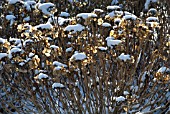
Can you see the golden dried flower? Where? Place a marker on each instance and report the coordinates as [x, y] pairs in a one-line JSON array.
[[100, 21]]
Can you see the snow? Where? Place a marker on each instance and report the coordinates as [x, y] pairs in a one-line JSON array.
[[56, 63], [152, 19], [105, 24], [74, 28], [146, 109], [120, 98], [15, 50], [15, 40], [42, 76], [2, 55], [44, 26], [109, 38], [27, 41], [98, 10], [164, 69], [27, 18], [61, 20], [57, 85], [69, 49], [113, 7], [126, 93], [64, 14], [86, 15], [111, 14], [71, 1], [102, 48], [22, 63], [139, 113], [45, 6], [10, 17], [28, 27], [78, 56], [114, 13], [58, 68], [114, 2], [152, 10], [124, 57], [155, 79], [136, 106], [117, 20], [112, 43], [54, 47], [2, 40], [13, 1], [29, 4], [133, 17], [143, 76], [31, 54], [148, 2]]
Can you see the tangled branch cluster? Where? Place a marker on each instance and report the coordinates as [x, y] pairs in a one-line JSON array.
[[56, 60]]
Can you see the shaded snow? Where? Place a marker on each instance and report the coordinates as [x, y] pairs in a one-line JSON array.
[[143, 76], [133, 17], [164, 69], [22, 63], [54, 47], [74, 28], [15, 40], [42, 76], [117, 20], [61, 20], [105, 24], [152, 19], [109, 38], [146, 109], [57, 68], [10, 17], [64, 14], [45, 7], [126, 93], [31, 54], [114, 13], [120, 98], [2, 55], [57, 85], [86, 15], [98, 10], [44, 26], [56, 63], [136, 106], [78, 56], [2, 40], [112, 43], [29, 5], [102, 48], [27, 41], [148, 2], [113, 7], [69, 49], [13, 1], [124, 57], [15, 50], [27, 18], [114, 2]]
